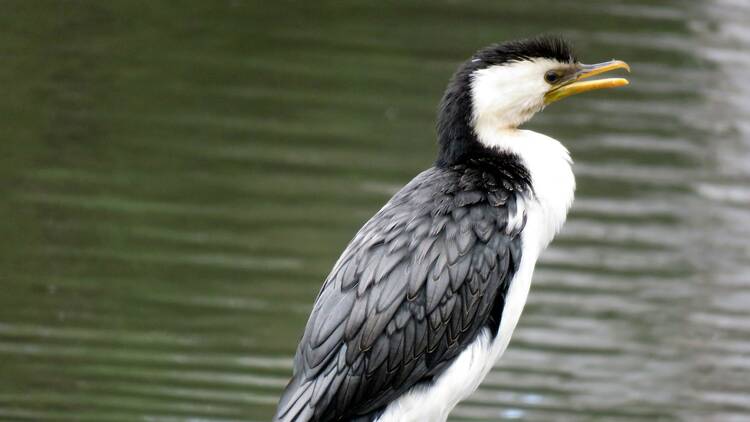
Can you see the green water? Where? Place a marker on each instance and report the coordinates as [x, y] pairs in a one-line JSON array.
[[178, 178]]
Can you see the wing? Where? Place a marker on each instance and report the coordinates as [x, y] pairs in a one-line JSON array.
[[410, 292]]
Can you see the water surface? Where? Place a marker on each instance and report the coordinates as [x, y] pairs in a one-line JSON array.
[[179, 179]]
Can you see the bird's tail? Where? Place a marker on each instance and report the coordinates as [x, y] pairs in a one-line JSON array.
[[294, 402], [294, 405]]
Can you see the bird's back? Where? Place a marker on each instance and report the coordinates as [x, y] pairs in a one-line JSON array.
[[411, 291]]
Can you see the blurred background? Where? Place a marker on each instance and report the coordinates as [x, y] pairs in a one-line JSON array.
[[179, 177]]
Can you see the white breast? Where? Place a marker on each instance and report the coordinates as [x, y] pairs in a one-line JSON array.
[[549, 164], [552, 178]]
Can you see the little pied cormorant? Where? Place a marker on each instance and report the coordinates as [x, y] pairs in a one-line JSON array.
[[426, 296]]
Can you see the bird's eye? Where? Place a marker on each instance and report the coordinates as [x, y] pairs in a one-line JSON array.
[[551, 76]]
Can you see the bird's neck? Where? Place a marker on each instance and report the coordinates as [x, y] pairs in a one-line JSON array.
[[531, 147], [464, 133]]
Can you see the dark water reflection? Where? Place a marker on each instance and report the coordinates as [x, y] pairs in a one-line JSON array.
[[179, 179]]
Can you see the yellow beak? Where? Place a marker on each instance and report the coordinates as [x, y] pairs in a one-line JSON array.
[[573, 85]]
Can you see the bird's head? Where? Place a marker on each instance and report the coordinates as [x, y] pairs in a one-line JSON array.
[[502, 86]]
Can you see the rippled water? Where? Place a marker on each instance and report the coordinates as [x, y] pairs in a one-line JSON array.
[[177, 181]]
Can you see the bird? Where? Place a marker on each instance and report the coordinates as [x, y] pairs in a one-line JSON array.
[[425, 297]]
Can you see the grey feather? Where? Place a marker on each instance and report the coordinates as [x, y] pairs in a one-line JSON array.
[[427, 268]]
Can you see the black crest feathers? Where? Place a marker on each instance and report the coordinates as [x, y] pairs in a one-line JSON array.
[[544, 46]]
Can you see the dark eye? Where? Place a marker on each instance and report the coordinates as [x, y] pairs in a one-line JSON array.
[[551, 76]]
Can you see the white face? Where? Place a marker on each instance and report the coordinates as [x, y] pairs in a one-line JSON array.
[[505, 96]]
